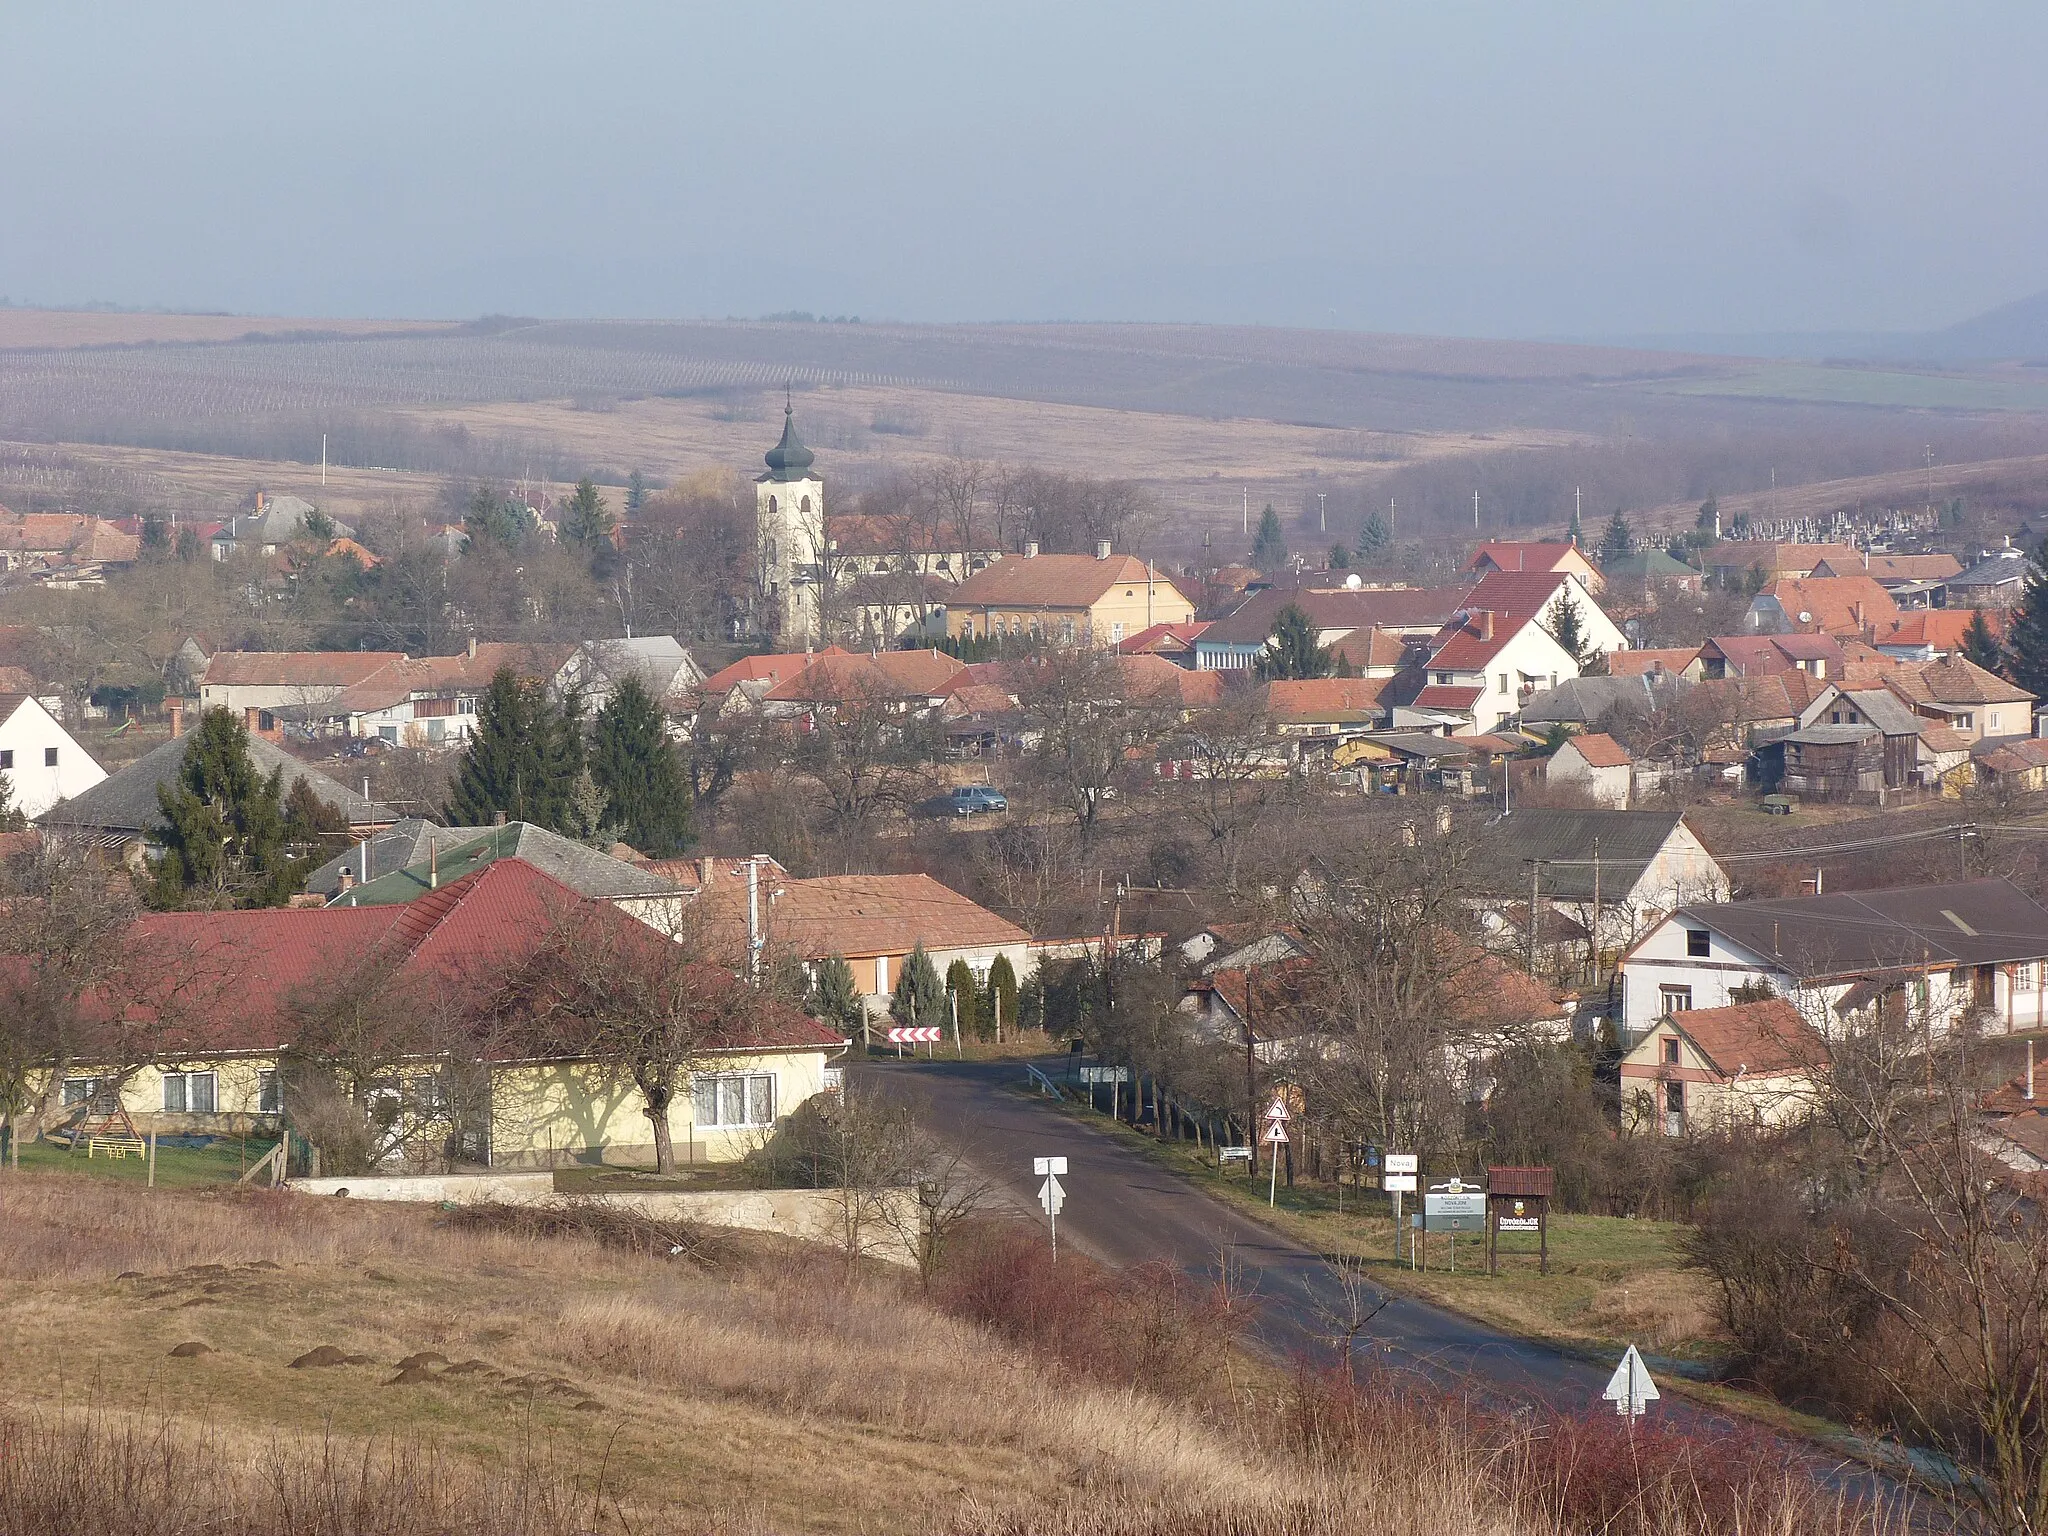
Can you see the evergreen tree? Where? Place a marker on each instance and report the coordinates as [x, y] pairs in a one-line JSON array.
[[919, 1001], [156, 538], [318, 527], [224, 825], [1575, 534], [1340, 558], [1981, 646], [833, 998], [1568, 625], [2026, 630], [1294, 652], [1374, 537], [524, 758], [586, 522], [493, 519], [1618, 541], [1708, 523], [965, 999], [1269, 547], [11, 819], [636, 493], [1000, 1000], [646, 802]]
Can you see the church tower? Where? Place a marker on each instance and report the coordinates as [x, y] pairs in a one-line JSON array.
[[789, 505]]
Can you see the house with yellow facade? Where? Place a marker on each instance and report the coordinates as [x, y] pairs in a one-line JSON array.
[[237, 1023], [1748, 1065], [1099, 599]]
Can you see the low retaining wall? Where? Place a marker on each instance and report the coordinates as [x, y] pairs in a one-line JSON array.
[[814, 1215]]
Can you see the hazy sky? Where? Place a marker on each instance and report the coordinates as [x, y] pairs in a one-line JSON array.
[[1523, 168]]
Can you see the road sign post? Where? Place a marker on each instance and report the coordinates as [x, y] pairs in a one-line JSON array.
[[1276, 1138], [1518, 1200], [1630, 1388], [1451, 1208], [1052, 1195], [1399, 1180]]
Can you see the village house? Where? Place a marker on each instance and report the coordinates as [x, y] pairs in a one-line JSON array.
[[1687, 662], [1733, 562], [1175, 642], [444, 855], [892, 607], [1847, 742], [40, 761], [1238, 639], [1614, 873], [1996, 581], [1893, 572], [1818, 656], [1960, 694], [64, 544], [121, 812], [1940, 950], [1486, 666], [740, 688], [1547, 557], [907, 682], [1934, 633], [1752, 1065], [873, 922], [258, 686], [1633, 574], [1099, 599], [663, 667], [276, 522], [1334, 707], [1847, 607], [1597, 764], [232, 1069]]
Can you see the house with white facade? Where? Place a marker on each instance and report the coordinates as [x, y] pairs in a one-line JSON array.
[[1747, 1066], [1596, 763], [1501, 648], [1940, 951], [41, 761]]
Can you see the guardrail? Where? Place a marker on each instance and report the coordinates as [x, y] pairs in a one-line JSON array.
[[1047, 1087]]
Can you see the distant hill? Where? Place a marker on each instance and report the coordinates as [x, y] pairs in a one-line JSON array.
[[2015, 330]]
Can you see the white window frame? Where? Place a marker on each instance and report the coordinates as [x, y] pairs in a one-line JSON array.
[[80, 1090], [2023, 976], [269, 1091], [747, 1081], [1675, 1000]]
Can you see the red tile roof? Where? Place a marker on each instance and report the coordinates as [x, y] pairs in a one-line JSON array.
[[1951, 682], [1448, 696], [1162, 638], [1372, 647], [856, 916], [1639, 663], [1055, 581], [1835, 605], [1941, 628], [1507, 556], [764, 669], [1767, 1038], [295, 669], [887, 674], [1325, 698], [1601, 750], [1519, 594]]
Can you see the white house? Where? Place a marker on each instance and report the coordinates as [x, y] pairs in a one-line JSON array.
[[39, 758], [1939, 950], [1500, 649], [1596, 763]]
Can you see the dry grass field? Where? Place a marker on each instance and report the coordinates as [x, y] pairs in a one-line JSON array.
[[99, 328], [271, 1363]]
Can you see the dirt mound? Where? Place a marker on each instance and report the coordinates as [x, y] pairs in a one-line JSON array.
[[411, 1376], [189, 1349], [424, 1357], [326, 1354]]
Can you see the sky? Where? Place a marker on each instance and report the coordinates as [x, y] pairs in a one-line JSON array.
[[1508, 169]]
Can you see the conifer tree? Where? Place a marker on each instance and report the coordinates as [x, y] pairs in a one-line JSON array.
[[1576, 534], [919, 1001], [833, 998], [524, 758], [1374, 537], [1269, 547], [1618, 541], [1001, 997], [636, 493], [1981, 646], [1568, 625], [646, 801], [965, 997], [1294, 652], [2026, 630], [586, 521], [223, 829]]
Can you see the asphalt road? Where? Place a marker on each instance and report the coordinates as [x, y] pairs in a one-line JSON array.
[[1122, 1211]]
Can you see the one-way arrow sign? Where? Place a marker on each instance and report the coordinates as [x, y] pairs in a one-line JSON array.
[[1630, 1388], [1052, 1195]]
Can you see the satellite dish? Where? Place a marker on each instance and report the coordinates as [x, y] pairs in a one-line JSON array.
[[1353, 582], [1806, 618]]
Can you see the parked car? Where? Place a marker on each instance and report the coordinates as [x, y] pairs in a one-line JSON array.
[[969, 798]]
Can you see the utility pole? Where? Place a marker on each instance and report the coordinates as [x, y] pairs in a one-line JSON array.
[[1390, 519], [1535, 896], [323, 458], [1596, 911], [1322, 512], [1475, 511], [1578, 503], [1244, 516]]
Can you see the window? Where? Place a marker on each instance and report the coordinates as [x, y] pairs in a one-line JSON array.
[[269, 1092], [734, 1100], [1671, 1050], [1503, 682], [6, 758], [1676, 999], [1674, 1109], [1444, 679], [80, 1090], [2023, 976], [49, 757], [191, 1093], [1698, 943]]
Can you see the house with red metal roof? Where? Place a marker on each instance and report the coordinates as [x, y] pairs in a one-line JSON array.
[[228, 999]]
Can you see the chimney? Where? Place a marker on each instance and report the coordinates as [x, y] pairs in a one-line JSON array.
[[1031, 549], [177, 712], [472, 647], [363, 862], [497, 818], [1102, 549], [1482, 621], [707, 871], [2030, 1071], [433, 866], [348, 881]]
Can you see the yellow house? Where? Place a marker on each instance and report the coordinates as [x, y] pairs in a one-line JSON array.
[[1100, 599], [227, 994], [1709, 1069]]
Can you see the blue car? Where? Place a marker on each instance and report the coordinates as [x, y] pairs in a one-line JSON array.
[[969, 798]]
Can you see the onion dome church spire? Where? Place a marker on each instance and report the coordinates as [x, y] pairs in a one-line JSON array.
[[789, 459]]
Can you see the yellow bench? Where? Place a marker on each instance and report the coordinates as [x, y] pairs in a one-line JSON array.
[[113, 1146]]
